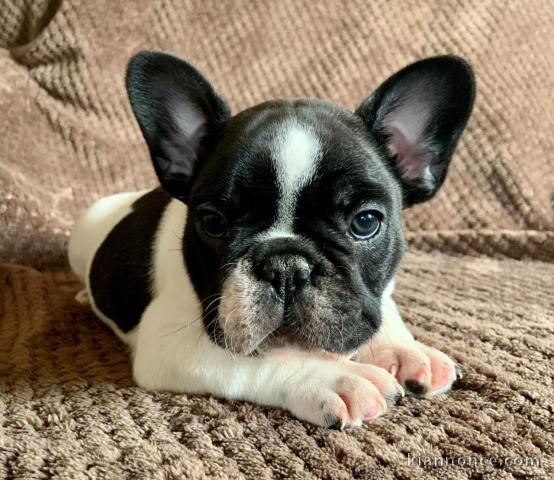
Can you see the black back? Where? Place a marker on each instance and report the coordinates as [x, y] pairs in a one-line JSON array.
[[120, 275]]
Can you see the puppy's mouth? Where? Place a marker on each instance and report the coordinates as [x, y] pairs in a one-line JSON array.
[[289, 332], [312, 323], [242, 329], [290, 336], [293, 296]]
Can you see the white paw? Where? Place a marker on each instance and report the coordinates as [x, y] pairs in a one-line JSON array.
[[339, 395], [421, 370]]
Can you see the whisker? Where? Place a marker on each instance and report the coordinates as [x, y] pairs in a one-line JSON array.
[[210, 324], [230, 264], [225, 337], [217, 299], [209, 296], [189, 323]]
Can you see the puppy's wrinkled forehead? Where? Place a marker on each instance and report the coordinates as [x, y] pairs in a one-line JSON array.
[[295, 152], [271, 155]]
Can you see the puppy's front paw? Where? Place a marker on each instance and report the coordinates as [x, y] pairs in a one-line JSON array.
[[420, 369], [339, 395]]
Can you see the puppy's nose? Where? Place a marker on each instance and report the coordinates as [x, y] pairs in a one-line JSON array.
[[287, 274]]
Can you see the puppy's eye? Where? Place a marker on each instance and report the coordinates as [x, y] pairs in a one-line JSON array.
[[365, 224], [213, 223]]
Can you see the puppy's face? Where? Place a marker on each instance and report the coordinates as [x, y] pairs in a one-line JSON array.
[[294, 227], [300, 220]]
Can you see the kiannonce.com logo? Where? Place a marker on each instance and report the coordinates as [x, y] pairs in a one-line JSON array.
[[470, 461]]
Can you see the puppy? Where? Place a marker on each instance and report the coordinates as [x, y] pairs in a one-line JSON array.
[[262, 268]]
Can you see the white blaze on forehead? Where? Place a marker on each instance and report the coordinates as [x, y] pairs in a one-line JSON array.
[[296, 152]]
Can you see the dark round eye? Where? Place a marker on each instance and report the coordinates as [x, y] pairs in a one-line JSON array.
[[213, 223], [365, 224]]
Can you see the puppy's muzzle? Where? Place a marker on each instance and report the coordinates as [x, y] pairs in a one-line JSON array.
[[287, 274], [288, 266]]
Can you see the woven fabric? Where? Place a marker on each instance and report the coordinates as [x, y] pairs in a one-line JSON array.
[[68, 135], [68, 406]]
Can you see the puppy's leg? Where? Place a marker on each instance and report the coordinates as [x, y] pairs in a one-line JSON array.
[[420, 369], [324, 392]]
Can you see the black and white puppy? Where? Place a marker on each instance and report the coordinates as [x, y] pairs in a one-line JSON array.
[[262, 269]]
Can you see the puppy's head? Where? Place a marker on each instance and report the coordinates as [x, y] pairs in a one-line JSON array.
[[294, 206]]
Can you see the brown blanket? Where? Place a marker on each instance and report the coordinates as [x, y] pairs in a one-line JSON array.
[[68, 407]]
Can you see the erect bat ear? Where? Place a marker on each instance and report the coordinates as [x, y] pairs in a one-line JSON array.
[[418, 116], [179, 114]]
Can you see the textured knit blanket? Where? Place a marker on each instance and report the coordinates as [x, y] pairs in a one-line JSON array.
[[477, 283]]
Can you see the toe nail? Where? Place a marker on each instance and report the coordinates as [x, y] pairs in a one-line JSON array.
[[400, 389], [459, 372], [394, 397], [415, 387], [336, 426], [398, 395], [333, 421]]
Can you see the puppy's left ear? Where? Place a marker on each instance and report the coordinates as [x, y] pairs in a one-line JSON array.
[[417, 116], [179, 114]]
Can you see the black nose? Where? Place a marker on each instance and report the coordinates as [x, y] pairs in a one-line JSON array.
[[288, 274]]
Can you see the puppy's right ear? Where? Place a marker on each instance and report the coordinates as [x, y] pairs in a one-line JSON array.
[[179, 114]]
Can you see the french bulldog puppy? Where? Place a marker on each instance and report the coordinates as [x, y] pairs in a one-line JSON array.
[[262, 268]]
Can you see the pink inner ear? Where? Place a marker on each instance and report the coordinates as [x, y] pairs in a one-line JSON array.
[[413, 162]]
